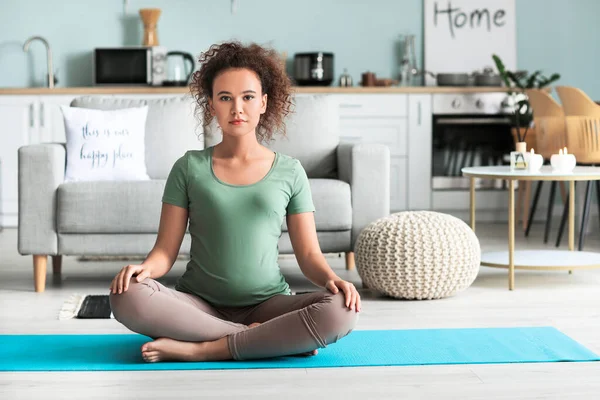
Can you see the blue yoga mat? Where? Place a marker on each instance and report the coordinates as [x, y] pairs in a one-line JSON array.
[[359, 349]]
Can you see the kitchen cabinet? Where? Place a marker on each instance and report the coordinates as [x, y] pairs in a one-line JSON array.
[[373, 105], [51, 125], [19, 128], [25, 120], [419, 150], [390, 132], [382, 119]]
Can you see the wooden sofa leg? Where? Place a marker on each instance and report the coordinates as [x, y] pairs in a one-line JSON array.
[[56, 265], [349, 260], [39, 272]]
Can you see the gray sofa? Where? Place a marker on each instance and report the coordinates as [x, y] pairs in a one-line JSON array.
[[349, 183]]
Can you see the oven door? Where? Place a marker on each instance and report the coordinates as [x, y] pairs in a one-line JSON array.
[[466, 141]]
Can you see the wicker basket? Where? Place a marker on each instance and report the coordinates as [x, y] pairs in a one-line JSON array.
[[418, 255]]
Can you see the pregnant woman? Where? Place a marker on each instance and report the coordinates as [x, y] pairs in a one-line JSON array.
[[233, 302]]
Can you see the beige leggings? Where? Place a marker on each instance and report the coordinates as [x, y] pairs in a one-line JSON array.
[[289, 324]]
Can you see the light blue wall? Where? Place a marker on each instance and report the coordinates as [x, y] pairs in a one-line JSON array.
[[552, 35], [561, 36]]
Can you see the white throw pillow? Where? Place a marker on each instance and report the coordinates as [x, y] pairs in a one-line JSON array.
[[105, 145]]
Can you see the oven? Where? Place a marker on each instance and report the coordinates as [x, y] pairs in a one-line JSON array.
[[469, 129]]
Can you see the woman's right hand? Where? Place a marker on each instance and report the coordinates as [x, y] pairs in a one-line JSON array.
[[120, 283]]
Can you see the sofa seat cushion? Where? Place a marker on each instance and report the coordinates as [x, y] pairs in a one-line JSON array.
[[109, 207], [333, 205], [134, 206]]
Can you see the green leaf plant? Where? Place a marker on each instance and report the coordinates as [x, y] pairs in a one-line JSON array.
[[522, 80]]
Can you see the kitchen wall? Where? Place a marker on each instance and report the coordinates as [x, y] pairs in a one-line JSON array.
[[552, 35]]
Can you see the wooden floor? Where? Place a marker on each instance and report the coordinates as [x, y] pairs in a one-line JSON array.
[[567, 302]]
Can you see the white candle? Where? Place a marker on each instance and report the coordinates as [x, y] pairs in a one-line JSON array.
[[535, 162], [563, 162]]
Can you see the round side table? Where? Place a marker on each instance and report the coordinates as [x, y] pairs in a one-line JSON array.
[[534, 259]]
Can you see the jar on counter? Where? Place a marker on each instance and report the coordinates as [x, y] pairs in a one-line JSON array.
[[345, 79]]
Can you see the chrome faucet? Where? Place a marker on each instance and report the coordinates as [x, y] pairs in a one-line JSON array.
[[48, 56]]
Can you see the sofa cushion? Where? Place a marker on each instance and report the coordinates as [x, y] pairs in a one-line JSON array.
[[134, 207], [171, 127], [105, 145], [312, 135], [332, 204], [109, 207]]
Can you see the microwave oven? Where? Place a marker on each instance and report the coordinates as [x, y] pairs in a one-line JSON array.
[[136, 65]]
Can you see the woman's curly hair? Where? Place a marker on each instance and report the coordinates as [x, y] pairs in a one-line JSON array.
[[266, 63]]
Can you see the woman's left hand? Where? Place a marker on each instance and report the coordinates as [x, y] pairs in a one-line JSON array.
[[350, 292]]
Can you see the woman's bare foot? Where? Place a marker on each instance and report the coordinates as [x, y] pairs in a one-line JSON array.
[[166, 349], [308, 353]]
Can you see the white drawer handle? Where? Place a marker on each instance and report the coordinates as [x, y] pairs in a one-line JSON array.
[[351, 105]]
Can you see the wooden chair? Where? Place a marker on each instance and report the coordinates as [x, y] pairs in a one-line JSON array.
[[549, 123], [583, 140], [576, 103]]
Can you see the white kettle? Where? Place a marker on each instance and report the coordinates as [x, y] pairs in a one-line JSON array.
[[180, 66]]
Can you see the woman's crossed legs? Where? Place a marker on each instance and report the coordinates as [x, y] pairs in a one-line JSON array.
[[188, 328]]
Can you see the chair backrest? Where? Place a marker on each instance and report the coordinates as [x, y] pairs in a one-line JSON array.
[[312, 135], [549, 122], [583, 138], [543, 104], [576, 102], [171, 128], [583, 124]]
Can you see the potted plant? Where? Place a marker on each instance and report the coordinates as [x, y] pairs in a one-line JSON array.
[[520, 103]]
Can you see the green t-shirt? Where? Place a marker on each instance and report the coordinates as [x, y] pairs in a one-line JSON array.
[[235, 228]]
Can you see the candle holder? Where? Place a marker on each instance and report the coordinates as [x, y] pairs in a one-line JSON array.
[[563, 162], [518, 158]]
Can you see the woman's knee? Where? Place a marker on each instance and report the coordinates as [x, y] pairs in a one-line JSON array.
[[129, 303], [335, 320], [345, 317]]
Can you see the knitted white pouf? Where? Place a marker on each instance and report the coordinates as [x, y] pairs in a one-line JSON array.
[[418, 255]]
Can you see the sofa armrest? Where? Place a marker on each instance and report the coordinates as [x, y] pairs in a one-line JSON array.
[[366, 167], [41, 170]]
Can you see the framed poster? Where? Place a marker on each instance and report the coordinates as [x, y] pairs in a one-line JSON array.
[[462, 35]]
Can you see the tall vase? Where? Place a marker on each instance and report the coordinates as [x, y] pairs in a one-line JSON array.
[[518, 159], [149, 18]]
